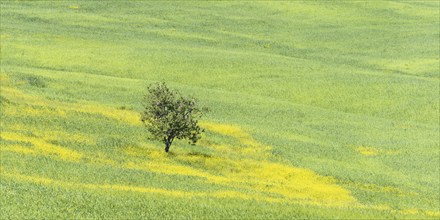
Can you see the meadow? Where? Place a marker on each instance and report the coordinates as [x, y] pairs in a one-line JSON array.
[[318, 109]]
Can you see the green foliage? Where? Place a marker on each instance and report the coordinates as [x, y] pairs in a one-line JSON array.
[[168, 115]]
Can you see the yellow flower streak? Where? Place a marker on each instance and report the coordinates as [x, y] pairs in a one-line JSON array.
[[127, 188], [42, 147], [61, 108], [371, 151]]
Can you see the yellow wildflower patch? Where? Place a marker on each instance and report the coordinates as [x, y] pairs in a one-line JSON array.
[[289, 182], [126, 116], [76, 7], [44, 148], [32, 111], [116, 187], [159, 162], [21, 97], [175, 193], [371, 151], [228, 130], [368, 151], [60, 108], [18, 149], [51, 135], [262, 179], [252, 146], [25, 178], [433, 213], [410, 211]]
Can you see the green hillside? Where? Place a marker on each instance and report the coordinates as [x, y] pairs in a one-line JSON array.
[[318, 109]]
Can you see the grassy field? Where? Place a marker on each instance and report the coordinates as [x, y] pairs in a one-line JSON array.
[[319, 109]]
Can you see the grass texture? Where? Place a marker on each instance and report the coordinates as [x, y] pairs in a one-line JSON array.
[[319, 109]]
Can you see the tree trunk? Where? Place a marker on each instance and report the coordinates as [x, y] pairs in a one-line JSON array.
[[168, 141], [167, 146]]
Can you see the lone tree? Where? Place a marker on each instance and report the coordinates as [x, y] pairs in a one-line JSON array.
[[168, 115]]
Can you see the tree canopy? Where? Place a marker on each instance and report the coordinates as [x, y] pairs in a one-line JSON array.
[[168, 115]]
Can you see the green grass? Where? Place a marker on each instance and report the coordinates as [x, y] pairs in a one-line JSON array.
[[346, 92]]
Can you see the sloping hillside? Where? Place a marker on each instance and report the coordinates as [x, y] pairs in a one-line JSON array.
[[318, 109]]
